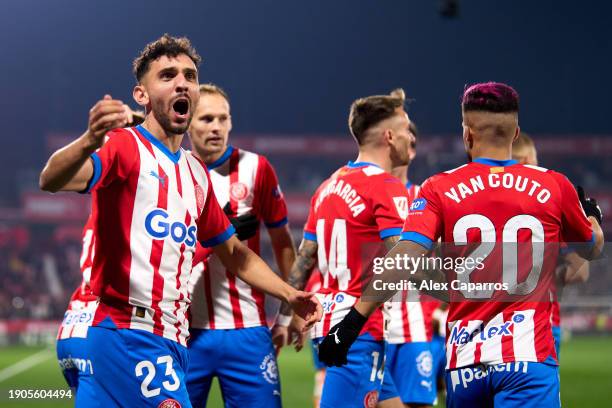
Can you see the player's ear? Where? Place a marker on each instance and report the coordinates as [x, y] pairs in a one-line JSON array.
[[229, 119], [517, 132], [468, 139], [140, 95], [388, 136]]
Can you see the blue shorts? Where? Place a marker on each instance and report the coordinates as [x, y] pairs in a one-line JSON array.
[[135, 368], [77, 368], [412, 367], [387, 388], [556, 332], [244, 361], [438, 350], [318, 365], [358, 383], [509, 385]]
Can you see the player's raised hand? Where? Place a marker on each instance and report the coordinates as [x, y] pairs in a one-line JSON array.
[[334, 348], [306, 306], [105, 116], [589, 205]]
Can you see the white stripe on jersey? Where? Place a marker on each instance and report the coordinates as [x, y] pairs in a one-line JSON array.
[[523, 338], [168, 269], [465, 352], [394, 314], [247, 173], [492, 348], [141, 273]]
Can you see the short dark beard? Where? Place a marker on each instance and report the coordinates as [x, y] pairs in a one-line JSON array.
[[166, 124]]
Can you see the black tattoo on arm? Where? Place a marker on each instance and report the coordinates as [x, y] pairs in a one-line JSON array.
[[302, 268]]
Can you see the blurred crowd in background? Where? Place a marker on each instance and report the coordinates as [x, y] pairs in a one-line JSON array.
[[40, 234]]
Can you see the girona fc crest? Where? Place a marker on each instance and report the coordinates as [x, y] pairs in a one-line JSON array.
[[371, 399], [169, 403], [199, 196], [239, 191]]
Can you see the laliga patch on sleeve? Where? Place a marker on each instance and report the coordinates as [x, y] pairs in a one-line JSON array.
[[418, 204], [401, 205]]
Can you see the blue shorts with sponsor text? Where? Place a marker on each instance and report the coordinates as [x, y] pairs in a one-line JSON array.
[[76, 366], [507, 385]]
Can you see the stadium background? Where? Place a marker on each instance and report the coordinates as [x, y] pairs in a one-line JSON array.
[[291, 71]]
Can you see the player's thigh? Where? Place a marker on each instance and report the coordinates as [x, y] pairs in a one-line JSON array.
[[205, 349], [358, 383], [413, 373], [318, 365], [438, 351], [248, 373], [468, 387], [85, 395], [526, 385], [137, 368], [389, 396], [73, 358]]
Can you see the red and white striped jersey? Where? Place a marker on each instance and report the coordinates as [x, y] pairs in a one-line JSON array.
[[153, 206], [350, 215], [82, 306], [247, 183], [474, 207], [407, 318]]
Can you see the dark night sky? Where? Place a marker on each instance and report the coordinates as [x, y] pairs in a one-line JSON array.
[[294, 67]]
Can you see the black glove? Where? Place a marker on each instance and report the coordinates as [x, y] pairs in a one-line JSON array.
[[590, 206], [335, 346], [246, 225]]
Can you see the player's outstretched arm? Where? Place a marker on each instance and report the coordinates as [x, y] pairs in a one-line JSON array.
[[69, 168], [249, 267], [595, 217], [576, 269], [334, 348]]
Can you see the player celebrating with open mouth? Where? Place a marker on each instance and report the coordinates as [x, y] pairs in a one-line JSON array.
[[153, 202]]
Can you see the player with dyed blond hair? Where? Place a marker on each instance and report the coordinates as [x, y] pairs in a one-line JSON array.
[[230, 335], [353, 215]]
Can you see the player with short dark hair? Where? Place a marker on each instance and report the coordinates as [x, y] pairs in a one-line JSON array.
[[352, 213], [230, 338], [500, 350], [152, 202]]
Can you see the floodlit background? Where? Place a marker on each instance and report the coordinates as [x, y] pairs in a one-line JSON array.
[[291, 70]]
